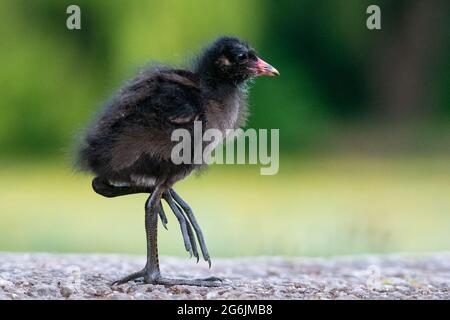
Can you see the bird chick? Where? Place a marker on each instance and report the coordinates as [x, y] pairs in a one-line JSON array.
[[128, 146]]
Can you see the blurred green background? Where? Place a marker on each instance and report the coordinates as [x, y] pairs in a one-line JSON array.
[[364, 119]]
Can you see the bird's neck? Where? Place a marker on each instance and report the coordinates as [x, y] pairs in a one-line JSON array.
[[219, 86]]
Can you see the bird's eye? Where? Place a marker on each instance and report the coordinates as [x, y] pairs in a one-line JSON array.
[[242, 57]]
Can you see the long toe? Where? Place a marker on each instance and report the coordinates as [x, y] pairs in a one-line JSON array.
[[181, 221], [191, 236], [130, 277], [188, 282], [213, 279], [193, 221], [162, 215]]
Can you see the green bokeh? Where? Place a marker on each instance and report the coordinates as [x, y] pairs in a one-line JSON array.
[[52, 79], [353, 177]]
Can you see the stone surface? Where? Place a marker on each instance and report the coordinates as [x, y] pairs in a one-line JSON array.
[[88, 276]]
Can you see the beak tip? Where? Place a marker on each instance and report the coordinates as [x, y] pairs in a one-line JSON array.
[[266, 69], [273, 72]]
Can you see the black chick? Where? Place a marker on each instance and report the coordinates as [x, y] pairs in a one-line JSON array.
[[129, 145]]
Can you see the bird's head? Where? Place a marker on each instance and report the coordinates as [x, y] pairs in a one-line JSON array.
[[230, 60]]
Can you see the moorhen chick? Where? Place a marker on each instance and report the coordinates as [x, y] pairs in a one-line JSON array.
[[128, 147]]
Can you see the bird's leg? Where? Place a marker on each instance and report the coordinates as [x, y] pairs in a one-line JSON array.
[[151, 272], [152, 207], [103, 188]]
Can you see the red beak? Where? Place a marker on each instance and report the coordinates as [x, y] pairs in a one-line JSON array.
[[265, 69]]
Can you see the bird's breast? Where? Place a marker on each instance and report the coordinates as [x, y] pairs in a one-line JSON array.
[[223, 115]]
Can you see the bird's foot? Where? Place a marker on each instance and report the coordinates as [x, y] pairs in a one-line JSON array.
[[205, 282], [188, 224]]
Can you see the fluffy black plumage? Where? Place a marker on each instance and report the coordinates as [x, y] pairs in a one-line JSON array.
[[128, 147], [130, 141]]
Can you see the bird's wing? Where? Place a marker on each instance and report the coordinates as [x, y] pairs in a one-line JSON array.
[[152, 107], [170, 95], [180, 100]]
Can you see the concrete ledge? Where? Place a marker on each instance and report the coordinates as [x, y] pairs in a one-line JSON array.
[[87, 276]]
